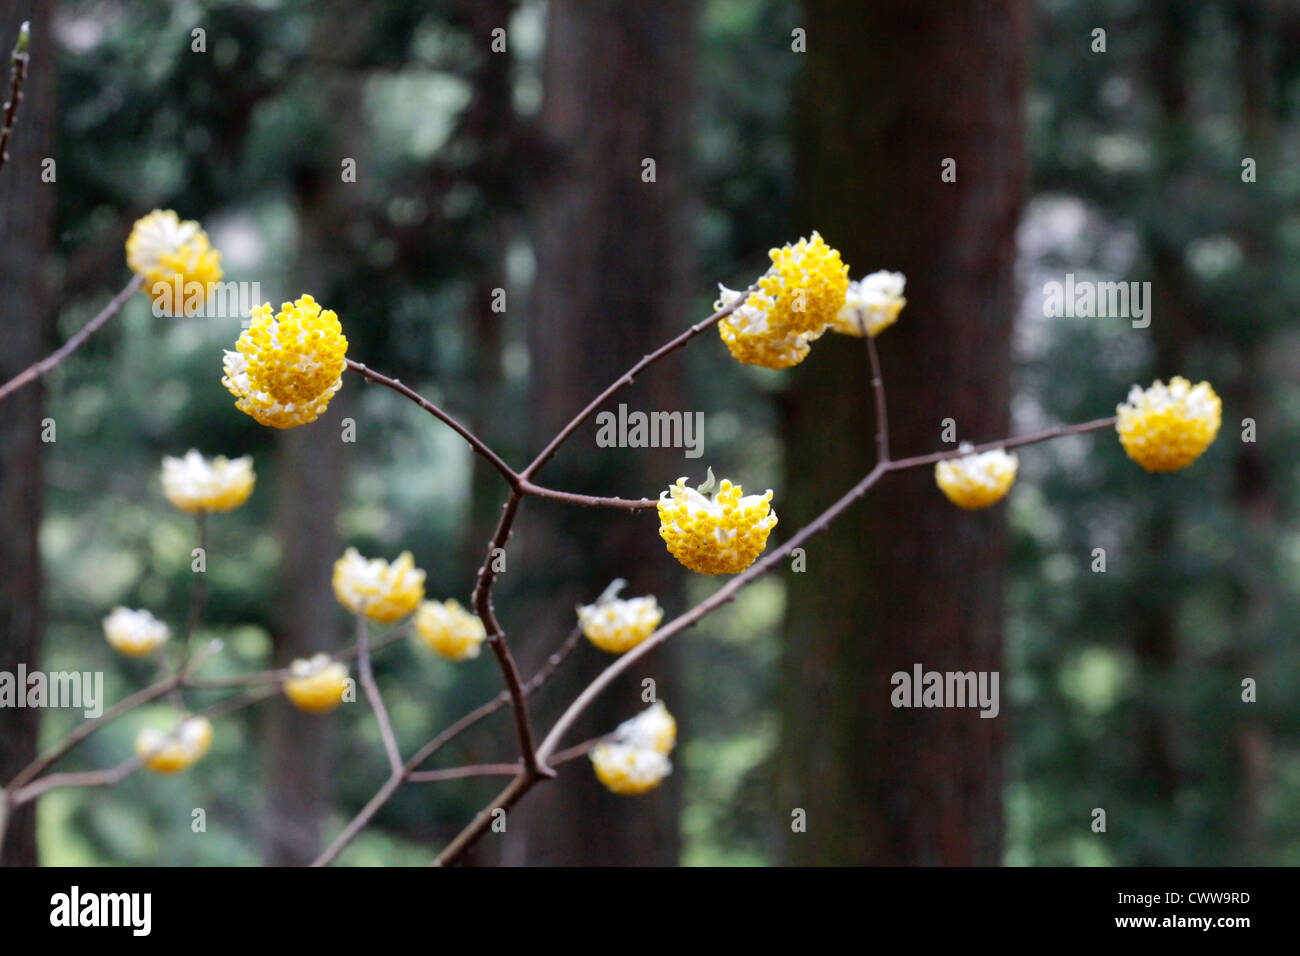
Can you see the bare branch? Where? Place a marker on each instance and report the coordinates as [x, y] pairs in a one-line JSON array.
[[376, 701], [444, 737], [878, 388], [33, 372], [475, 442], [496, 639], [587, 501], [125, 705], [459, 773], [18, 73], [627, 378]]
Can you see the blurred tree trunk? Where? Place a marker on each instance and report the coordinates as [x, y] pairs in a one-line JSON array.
[[310, 469], [26, 228], [890, 90], [612, 261], [1255, 486], [1154, 631]]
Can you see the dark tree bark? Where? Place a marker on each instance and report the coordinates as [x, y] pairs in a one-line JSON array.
[[491, 127], [26, 227], [611, 268], [890, 90]]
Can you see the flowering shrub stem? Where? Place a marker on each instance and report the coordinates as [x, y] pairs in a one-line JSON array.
[[547, 750], [18, 73], [459, 773], [497, 640], [454, 730], [878, 391], [475, 442], [376, 700], [628, 377], [535, 761], [78, 339]]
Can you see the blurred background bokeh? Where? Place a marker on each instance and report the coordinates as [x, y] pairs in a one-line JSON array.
[[521, 169]]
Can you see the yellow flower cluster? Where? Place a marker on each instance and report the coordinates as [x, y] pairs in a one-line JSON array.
[[287, 367], [317, 685], [376, 589], [617, 626], [177, 750], [1164, 428], [450, 630], [635, 758], [876, 300], [195, 484], [161, 247], [976, 481], [134, 633], [798, 297], [715, 534]]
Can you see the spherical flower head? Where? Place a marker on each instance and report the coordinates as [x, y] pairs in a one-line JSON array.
[[450, 630], [134, 633], [751, 337], [715, 534], [287, 367], [652, 729], [976, 481], [196, 485], [1164, 428], [162, 247], [376, 589], [617, 626], [875, 299], [317, 685], [796, 299], [628, 770], [176, 750]]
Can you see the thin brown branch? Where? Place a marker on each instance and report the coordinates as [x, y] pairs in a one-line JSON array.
[[198, 598], [125, 705], [199, 593], [628, 378], [459, 773], [587, 501], [504, 800], [376, 701], [475, 442], [88, 778], [577, 750], [1032, 439], [444, 737], [547, 749], [723, 595], [18, 73], [728, 591], [33, 372], [114, 775], [878, 389], [482, 601]]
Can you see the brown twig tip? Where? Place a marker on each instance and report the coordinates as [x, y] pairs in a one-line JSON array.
[[17, 75]]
